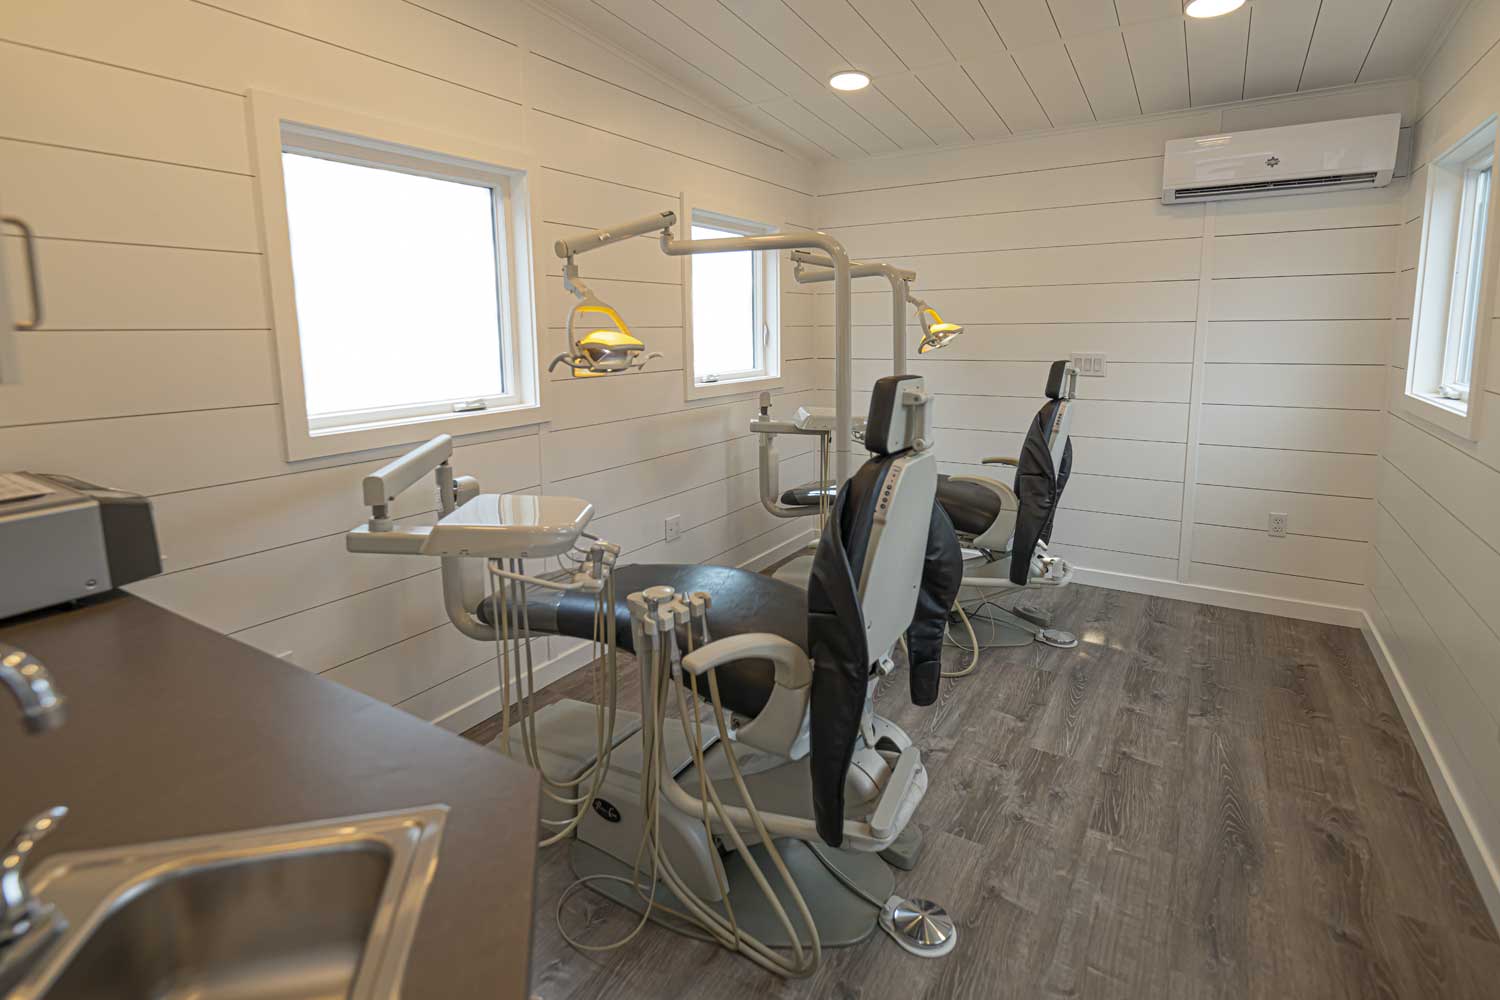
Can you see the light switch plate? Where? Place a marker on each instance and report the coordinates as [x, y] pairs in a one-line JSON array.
[[1091, 365], [674, 527]]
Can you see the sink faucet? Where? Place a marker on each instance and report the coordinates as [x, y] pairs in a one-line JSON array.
[[42, 705], [28, 925], [19, 909]]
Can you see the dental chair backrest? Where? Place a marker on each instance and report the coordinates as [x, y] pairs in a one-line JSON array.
[[1042, 470], [900, 481]]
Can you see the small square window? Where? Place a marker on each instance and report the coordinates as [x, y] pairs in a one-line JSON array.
[[401, 280], [1450, 315], [736, 328]]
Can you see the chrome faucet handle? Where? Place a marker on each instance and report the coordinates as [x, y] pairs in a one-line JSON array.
[[20, 909]]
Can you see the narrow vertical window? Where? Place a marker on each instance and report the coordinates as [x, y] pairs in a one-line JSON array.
[[735, 319]]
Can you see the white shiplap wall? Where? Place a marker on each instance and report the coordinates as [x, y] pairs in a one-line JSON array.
[[125, 147], [1246, 340], [1435, 573]]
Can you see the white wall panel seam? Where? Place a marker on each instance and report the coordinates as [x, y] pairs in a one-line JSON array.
[[1195, 394], [353, 51]]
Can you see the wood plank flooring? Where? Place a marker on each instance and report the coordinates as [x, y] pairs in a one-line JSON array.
[[1195, 802]]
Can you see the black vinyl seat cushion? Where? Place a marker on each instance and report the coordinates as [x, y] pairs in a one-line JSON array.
[[742, 602], [806, 496], [971, 507]]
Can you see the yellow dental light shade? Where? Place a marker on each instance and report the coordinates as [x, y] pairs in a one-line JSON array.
[[601, 351], [936, 334]]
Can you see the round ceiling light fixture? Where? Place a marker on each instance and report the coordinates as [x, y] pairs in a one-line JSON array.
[[1210, 8], [853, 79]]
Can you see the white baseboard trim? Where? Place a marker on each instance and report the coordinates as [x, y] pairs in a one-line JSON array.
[[488, 704], [1482, 862], [1221, 597]]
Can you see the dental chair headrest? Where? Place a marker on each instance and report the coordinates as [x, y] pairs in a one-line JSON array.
[[892, 425], [1055, 379]]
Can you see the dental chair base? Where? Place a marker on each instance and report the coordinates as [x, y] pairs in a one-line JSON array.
[[987, 582], [843, 888], [844, 915]]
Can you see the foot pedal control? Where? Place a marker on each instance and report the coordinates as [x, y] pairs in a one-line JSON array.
[[920, 926], [1057, 637], [1040, 617]]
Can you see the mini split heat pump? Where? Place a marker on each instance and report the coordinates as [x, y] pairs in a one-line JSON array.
[[1298, 159]]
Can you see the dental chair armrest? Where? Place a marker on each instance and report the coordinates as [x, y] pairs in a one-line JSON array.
[[1000, 461], [793, 668], [781, 726]]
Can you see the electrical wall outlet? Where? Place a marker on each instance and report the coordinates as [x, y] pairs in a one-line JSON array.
[[1092, 365], [674, 527], [1276, 525]]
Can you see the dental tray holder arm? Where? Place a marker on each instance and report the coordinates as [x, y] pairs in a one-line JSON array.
[[770, 459], [470, 525], [900, 278]]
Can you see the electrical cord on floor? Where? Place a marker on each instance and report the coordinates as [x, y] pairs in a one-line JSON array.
[[972, 648], [978, 613]]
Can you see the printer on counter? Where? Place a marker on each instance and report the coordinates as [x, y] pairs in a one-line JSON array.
[[62, 539]]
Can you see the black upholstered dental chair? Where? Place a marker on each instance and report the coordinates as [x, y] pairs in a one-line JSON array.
[[888, 567], [1005, 530]]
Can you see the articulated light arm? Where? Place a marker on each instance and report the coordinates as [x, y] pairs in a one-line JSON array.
[[900, 280], [603, 351], [843, 393], [936, 334]]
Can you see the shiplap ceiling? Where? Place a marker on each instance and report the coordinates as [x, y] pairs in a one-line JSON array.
[[951, 72]]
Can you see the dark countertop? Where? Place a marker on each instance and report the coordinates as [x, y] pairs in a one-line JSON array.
[[175, 730]]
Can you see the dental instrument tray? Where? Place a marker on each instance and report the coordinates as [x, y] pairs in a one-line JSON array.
[[491, 525]]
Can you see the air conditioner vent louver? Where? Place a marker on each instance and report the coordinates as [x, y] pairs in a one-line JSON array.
[[1353, 154], [1332, 181]]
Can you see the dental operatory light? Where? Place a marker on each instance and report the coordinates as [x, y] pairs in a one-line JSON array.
[[603, 350], [936, 333], [1210, 8], [851, 79]]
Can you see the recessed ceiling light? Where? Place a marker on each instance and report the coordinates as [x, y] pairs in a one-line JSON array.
[[853, 79], [1210, 8]]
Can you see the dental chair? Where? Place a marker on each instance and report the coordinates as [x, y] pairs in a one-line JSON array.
[[777, 759], [1005, 529]]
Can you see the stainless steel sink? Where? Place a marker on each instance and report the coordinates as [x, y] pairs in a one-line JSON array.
[[312, 911]]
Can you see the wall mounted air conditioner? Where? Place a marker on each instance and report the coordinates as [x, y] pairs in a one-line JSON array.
[[1296, 159]]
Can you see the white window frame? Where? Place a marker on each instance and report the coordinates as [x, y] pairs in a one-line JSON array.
[[767, 312], [1455, 281], [280, 123]]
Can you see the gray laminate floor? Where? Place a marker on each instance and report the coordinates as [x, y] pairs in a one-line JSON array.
[[1193, 803]]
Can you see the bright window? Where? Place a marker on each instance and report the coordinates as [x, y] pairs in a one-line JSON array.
[[392, 326], [735, 320], [1450, 316], [402, 286], [1468, 277]]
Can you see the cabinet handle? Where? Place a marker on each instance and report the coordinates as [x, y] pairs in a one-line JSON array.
[[32, 274]]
